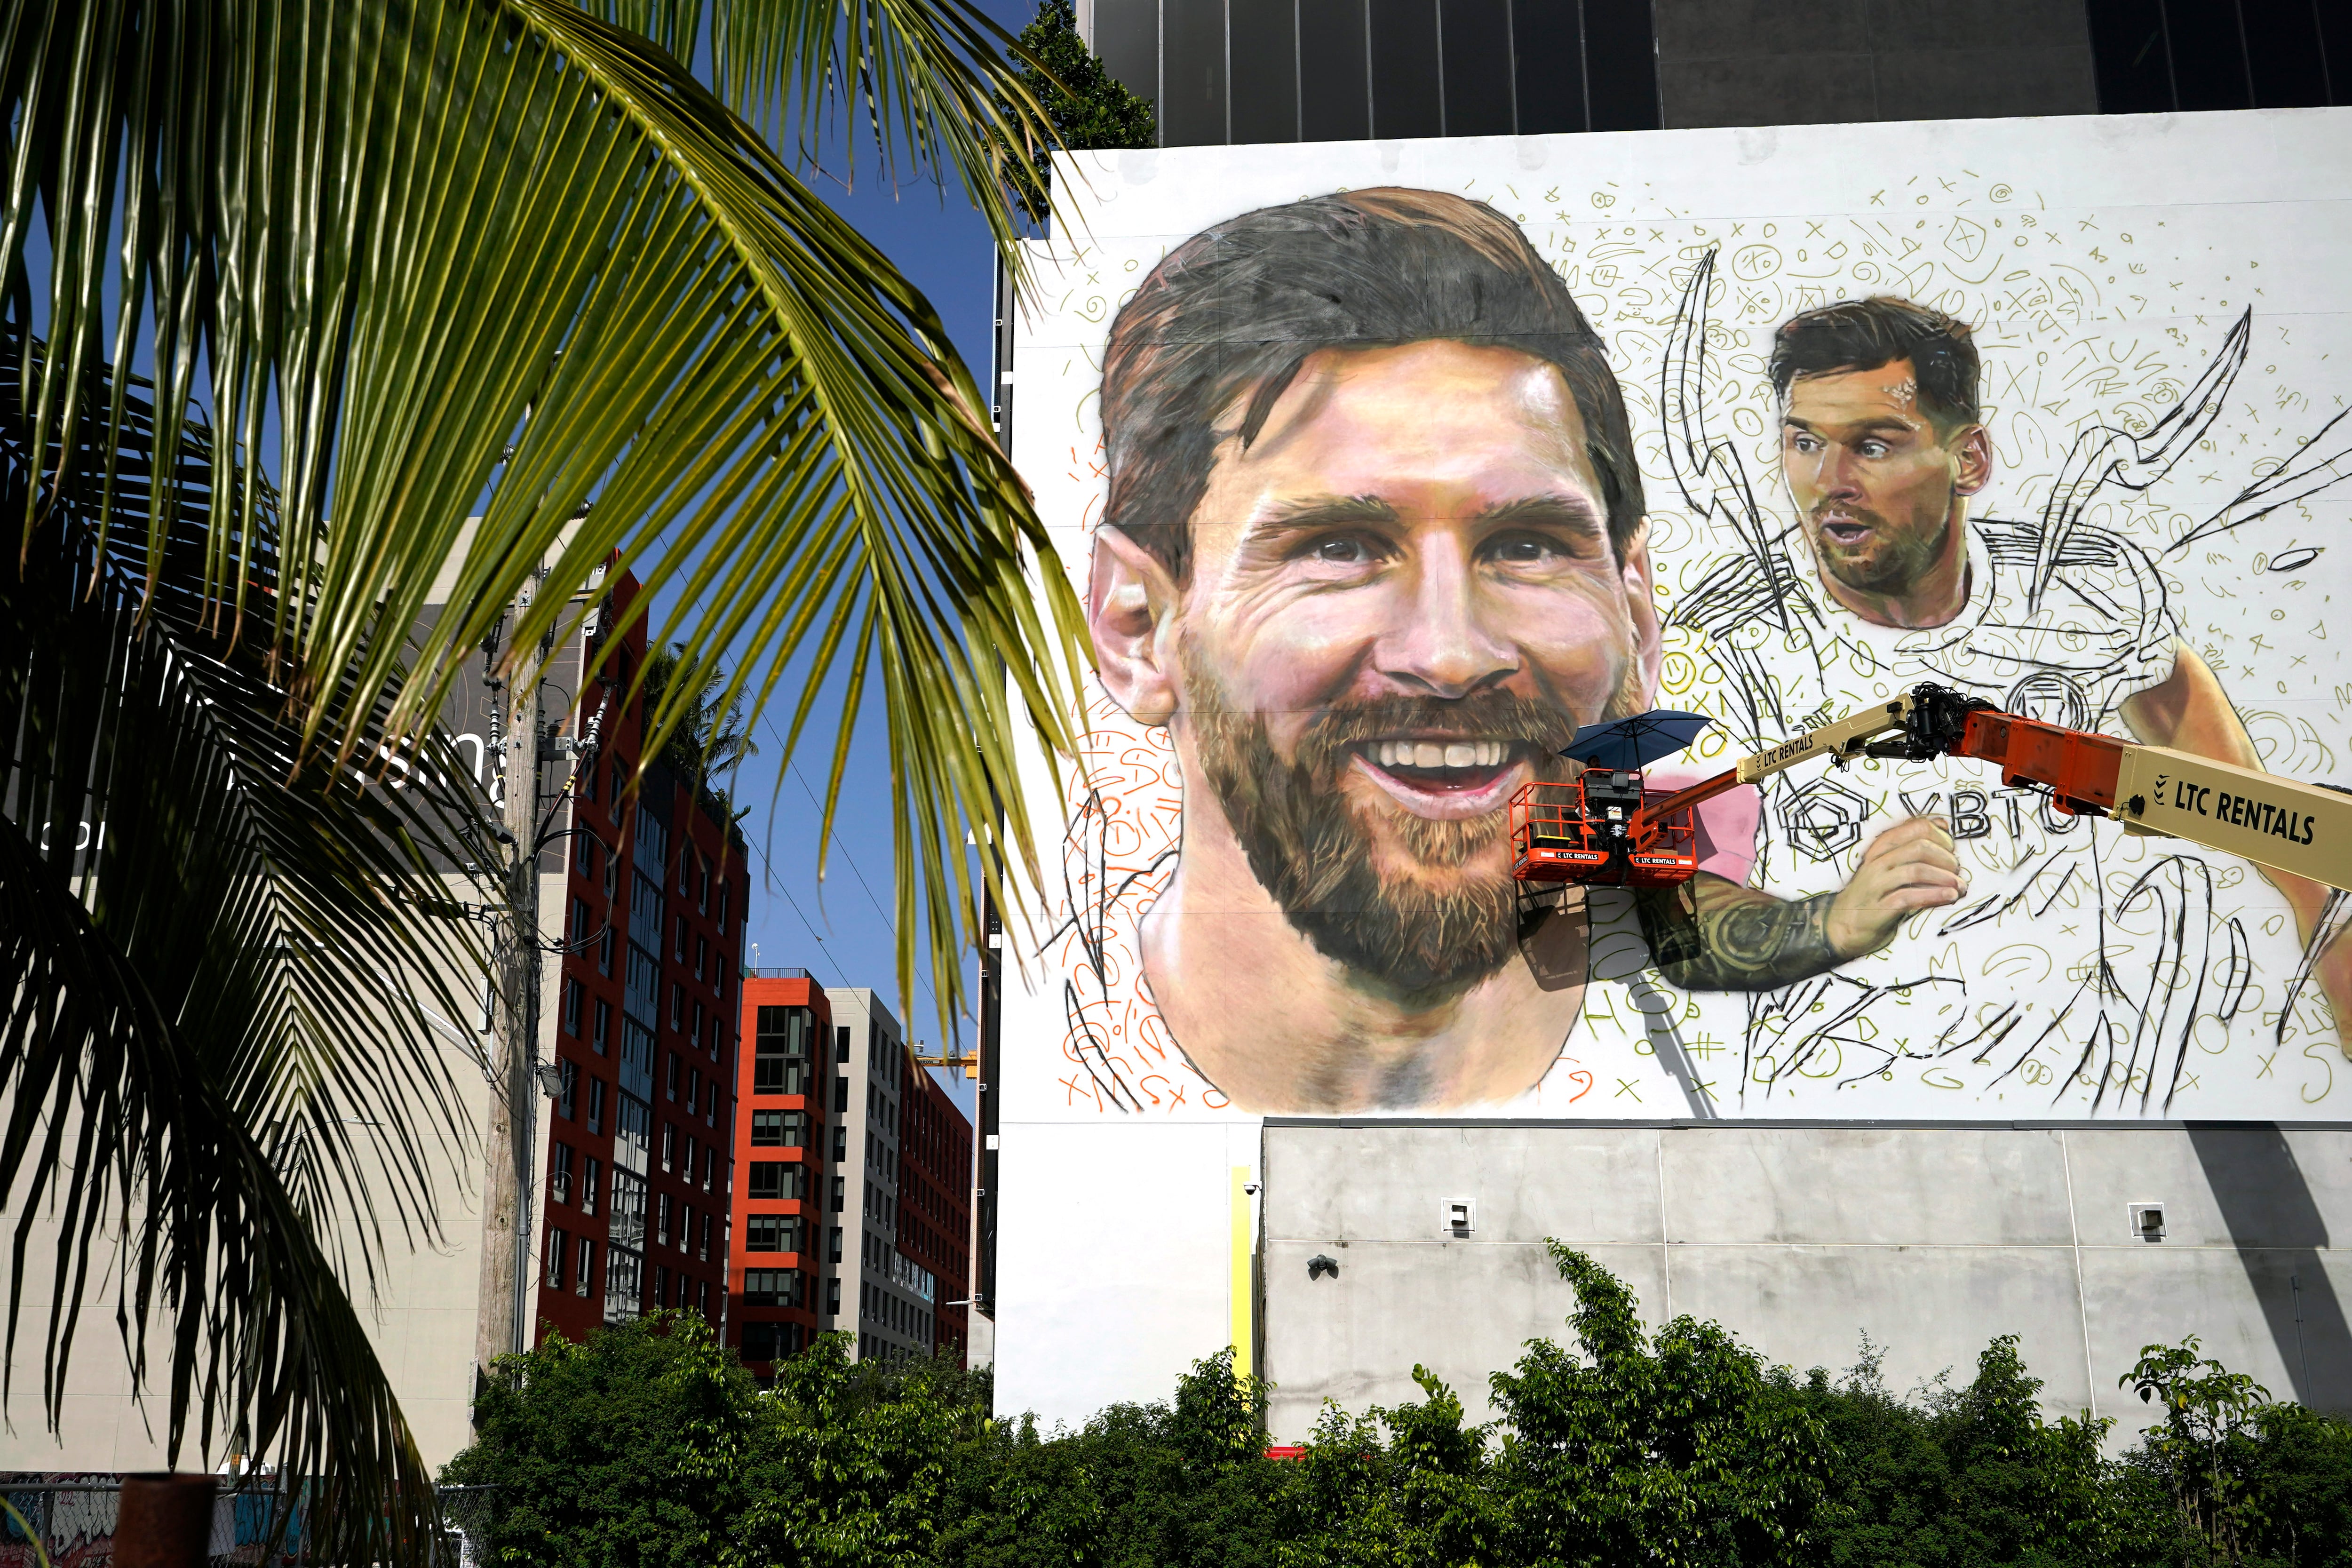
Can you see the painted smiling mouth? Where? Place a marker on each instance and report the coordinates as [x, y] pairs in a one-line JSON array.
[[1448, 765]]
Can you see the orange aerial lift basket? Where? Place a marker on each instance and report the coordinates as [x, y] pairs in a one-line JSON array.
[[1603, 827], [1594, 829]]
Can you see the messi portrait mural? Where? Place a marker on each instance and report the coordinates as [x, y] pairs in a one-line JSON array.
[[1377, 515], [1376, 546]]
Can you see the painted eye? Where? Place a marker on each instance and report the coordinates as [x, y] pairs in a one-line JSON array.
[[1343, 552], [1524, 551]]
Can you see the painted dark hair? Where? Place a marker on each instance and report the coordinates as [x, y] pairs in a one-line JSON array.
[[1862, 334], [1241, 306]]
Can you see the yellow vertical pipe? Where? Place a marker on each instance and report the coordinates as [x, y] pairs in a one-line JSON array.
[[1244, 1293]]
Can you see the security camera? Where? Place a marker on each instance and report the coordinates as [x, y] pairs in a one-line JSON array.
[[1250, 1187]]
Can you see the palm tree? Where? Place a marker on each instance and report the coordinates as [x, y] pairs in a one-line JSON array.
[[711, 739], [289, 291]]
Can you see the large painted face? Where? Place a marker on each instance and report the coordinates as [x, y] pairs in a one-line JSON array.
[[1404, 600], [1872, 477]]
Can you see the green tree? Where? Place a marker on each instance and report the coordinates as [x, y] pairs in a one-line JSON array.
[[1090, 108], [639, 1447], [1186, 1485], [857, 1467], [2201, 1448], [1688, 1452], [434, 260], [1406, 1487]]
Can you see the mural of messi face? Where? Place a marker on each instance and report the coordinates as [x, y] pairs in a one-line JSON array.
[[1374, 548]]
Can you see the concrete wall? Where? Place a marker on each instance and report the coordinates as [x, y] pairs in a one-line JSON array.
[[1809, 62], [1931, 1239]]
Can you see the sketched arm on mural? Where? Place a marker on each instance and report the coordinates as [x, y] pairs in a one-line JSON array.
[[2189, 712], [1730, 937]]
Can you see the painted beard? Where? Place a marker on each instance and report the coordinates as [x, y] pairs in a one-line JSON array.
[[1314, 851]]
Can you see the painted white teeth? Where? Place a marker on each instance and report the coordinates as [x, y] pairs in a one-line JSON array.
[[1440, 755]]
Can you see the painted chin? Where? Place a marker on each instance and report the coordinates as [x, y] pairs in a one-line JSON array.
[[1446, 789]]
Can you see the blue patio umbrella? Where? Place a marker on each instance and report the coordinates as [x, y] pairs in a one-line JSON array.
[[1637, 742]]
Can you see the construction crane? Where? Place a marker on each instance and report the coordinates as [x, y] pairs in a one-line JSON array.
[[1604, 826], [953, 1061]]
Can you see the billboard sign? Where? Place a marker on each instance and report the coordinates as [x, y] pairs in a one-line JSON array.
[[1384, 466]]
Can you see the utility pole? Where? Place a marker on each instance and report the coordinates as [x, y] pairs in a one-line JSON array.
[[504, 1317]]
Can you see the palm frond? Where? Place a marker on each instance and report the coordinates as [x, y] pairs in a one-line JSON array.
[[393, 239], [932, 90], [218, 978]]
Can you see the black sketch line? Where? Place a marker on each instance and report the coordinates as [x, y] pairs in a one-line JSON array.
[[2313, 474], [2106, 455], [1088, 919]]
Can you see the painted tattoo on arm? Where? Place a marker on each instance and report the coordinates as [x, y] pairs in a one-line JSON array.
[[1712, 934]]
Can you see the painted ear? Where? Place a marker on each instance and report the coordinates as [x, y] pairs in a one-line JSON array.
[[1975, 453], [1131, 612], [1641, 607]]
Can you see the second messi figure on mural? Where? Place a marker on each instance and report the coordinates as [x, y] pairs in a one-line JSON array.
[[1376, 543]]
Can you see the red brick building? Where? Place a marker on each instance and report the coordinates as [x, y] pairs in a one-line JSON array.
[[784, 1198], [640, 1140], [935, 1201]]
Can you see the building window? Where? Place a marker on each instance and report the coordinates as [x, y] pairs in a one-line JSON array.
[[764, 1341], [702, 1247], [661, 1222], [583, 854], [604, 1027], [604, 952], [595, 1105], [583, 1282], [559, 1246], [668, 1144], [781, 1128], [661, 1285], [772, 1288], [678, 928], [676, 1005], [685, 1228], [570, 1010], [567, 1089], [840, 1193], [580, 926], [558, 1172], [709, 1165], [780, 1062], [775, 1179], [696, 1033], [591, 1171], [724, 893], [772, 1233], [669, 1077], [701, 893], [833, 1296], [701, 957]]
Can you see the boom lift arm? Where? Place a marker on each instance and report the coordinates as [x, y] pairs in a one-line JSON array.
[[1566, 832]]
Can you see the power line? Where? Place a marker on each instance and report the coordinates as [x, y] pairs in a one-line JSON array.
[[768, 874], [798, 777]]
